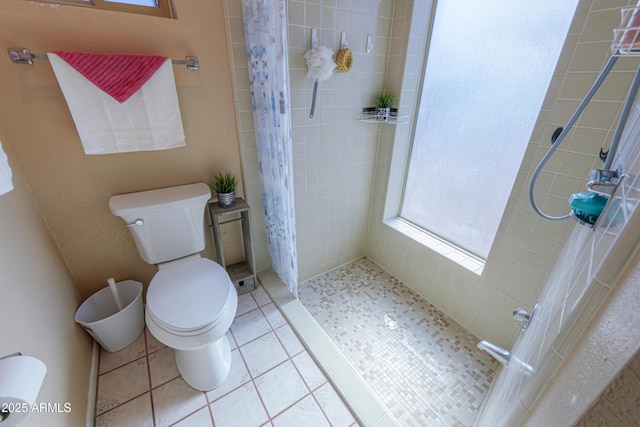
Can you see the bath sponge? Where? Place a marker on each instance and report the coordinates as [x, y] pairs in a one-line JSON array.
[[319, 63], [344, 60]]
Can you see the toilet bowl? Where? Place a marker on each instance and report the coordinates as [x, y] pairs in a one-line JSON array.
[[191, 301], [190, 306]]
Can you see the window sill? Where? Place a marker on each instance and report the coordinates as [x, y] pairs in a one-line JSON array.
[[453, 253]]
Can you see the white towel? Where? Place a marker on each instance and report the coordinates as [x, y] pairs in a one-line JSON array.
[[6, 183], [149, 120]]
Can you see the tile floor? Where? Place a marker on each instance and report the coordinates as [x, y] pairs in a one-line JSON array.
[[427, 370], [273, 381]]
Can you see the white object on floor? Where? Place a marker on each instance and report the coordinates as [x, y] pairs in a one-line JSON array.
[[113, 328], [6, 182]]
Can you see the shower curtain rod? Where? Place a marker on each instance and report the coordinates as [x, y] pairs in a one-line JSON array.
[[24, 56]]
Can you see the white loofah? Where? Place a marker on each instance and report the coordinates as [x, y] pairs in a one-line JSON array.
[[320, 63]]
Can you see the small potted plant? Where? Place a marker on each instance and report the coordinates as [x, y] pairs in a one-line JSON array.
[[224, 184], [384, 102]]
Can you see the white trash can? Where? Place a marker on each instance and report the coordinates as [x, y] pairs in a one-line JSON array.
[[113, 329]]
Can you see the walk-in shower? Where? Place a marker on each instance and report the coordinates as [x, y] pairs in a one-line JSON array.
[[335, 148]]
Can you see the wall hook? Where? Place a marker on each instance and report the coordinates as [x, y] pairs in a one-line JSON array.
[[344, 44], [603, 154]]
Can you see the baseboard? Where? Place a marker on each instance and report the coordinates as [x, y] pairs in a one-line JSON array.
[[92, 393]]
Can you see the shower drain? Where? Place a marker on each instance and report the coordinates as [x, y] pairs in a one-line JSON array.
[[390, 321]]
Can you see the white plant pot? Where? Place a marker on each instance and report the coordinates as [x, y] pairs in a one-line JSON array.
[[382, 114]]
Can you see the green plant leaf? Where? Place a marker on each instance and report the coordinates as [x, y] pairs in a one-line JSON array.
[[223, 182], [385, 99]]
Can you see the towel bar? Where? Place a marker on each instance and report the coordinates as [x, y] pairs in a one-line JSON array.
[[24, 56]]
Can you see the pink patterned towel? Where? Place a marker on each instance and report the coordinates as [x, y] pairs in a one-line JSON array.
[[149, 120], [118, 75]]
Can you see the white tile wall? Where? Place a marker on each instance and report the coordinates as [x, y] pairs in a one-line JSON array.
[[526, 245], [334, 154]]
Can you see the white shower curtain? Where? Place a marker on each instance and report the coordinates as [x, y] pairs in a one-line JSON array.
[[265, 27]]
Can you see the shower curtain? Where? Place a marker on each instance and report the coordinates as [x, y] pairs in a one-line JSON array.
[[265, 28]]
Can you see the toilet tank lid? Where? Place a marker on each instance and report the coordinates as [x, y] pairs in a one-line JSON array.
[[161, 198]]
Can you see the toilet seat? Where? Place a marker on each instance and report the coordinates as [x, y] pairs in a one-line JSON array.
[[190, 297]]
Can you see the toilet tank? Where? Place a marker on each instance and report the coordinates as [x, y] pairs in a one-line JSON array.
[[167, 223]]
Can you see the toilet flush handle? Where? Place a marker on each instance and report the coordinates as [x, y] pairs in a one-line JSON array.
[[137, 223]]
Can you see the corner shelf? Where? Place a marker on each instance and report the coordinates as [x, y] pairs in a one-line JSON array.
[[243, 273], [368, 115]]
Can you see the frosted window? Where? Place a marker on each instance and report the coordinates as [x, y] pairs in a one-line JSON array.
[[488, 69]]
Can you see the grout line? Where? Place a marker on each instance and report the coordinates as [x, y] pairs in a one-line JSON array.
[[122, 365], [255, 387], [251, 376], [288, 359], [264, 406], [291, 356], [191, 413], [213, 423], [322, 409], [164, 383], [123, 403], [311, 391]]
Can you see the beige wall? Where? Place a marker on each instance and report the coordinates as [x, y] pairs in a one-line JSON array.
[[39, 301], [71, 189]]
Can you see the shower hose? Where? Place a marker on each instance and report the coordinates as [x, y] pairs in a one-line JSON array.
[[614, 142]]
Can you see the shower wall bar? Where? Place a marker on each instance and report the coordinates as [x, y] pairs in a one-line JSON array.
[[24, 56]]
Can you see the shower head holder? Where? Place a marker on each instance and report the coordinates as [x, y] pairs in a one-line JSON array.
[[603, 182], [590, 206]]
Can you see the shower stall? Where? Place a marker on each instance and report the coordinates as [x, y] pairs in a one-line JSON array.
[[335, 152]]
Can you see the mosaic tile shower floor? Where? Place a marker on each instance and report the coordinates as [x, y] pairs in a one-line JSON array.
[[427, 371]]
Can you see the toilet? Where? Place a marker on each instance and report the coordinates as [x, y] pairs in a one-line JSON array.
[[191, 301]]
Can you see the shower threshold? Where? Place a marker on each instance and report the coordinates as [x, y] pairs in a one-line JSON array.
[[365, 406]]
